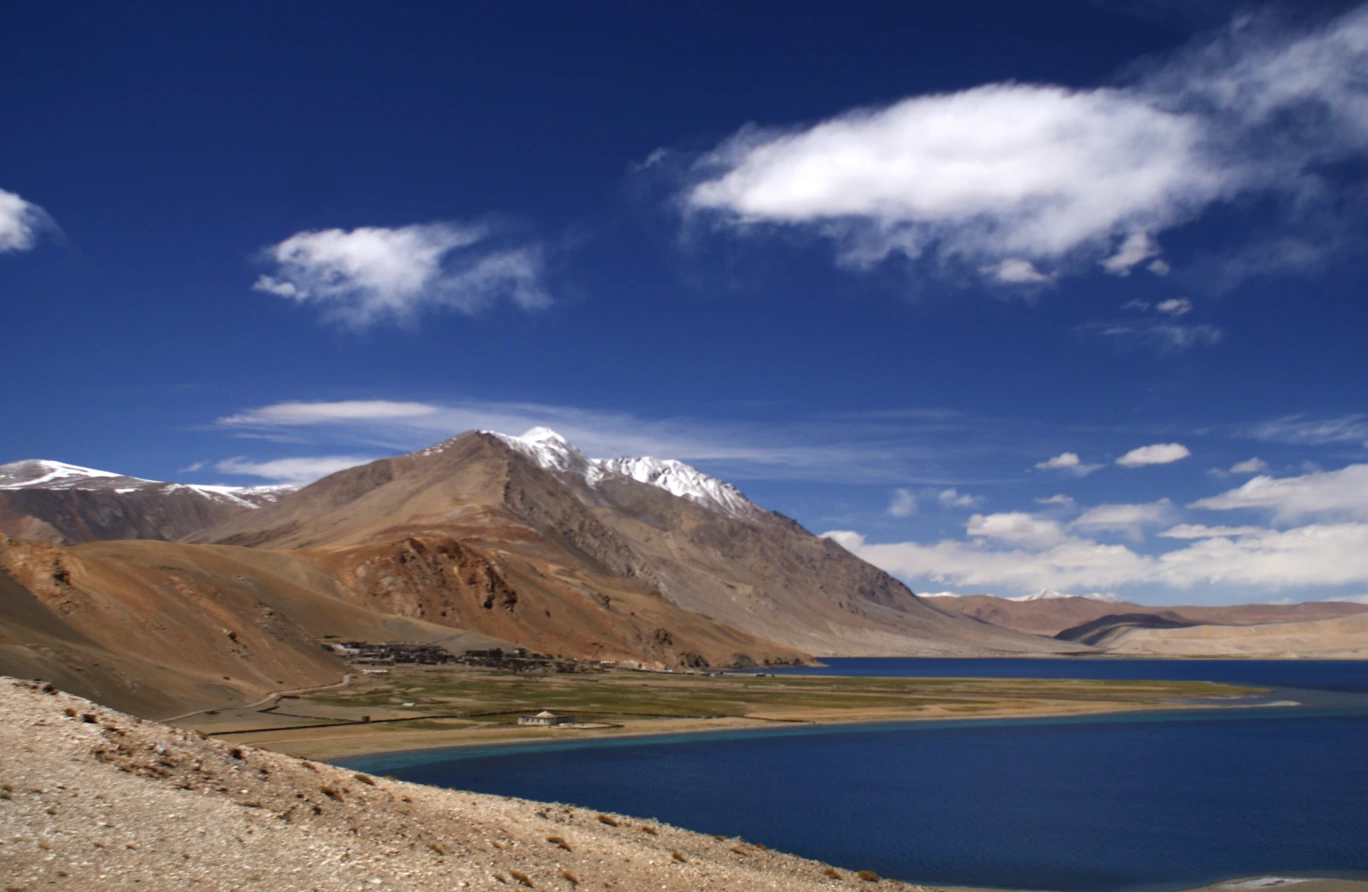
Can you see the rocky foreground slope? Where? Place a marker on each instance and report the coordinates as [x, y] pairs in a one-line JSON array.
[[95, 799]]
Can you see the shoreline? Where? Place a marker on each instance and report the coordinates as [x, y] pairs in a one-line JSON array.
[[513, 739]]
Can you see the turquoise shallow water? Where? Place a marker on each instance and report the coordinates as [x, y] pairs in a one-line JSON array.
[[1159, 801]]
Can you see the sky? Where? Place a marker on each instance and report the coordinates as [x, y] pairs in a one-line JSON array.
[[1002, 297]]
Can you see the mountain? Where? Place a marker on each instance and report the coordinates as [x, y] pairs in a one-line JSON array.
[[478, 541], [1099, 622], [58, 503], [1333, 638], [537, 504]]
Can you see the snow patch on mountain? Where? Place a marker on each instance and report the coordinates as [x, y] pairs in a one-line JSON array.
[[552, 451], [1049, 594], [44, 474], [51, 475]]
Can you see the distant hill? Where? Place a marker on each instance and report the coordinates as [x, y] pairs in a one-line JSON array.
[[62, 504], [1120, 627]]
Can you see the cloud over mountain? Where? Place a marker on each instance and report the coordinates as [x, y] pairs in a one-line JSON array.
[[372, 275]]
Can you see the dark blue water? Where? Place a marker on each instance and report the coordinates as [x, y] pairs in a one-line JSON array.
[[1163, 801]]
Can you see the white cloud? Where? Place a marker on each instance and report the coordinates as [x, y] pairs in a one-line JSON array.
[[21, 223], [1321, 494], [371, 275], [1041, 173], [904, 503], [292, 470], [850, 541], [1269, 560], [1352, 599], [1006, 171], [1129, 520], [1303, 430], [1068, 463], [1156, 454], [1159, 268], [1202, 531], [1254, 465], [953, 498], [299, 413], [1058, 499], [1136, 249], [1165, 337], [1175, 306], [1017, 528], [1015, 271]]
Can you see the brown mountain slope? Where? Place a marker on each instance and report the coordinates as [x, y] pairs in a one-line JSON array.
[[160, 628], [1051, 616], [555, 516]]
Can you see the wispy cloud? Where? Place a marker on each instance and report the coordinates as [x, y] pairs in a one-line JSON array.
[[303, 469], [1254, 465], [372, 275], [1128, 520], [341, 411], [1023, 181], [1308, 430], [905, 502], [21, 223], [927, 448], [1165, 337]]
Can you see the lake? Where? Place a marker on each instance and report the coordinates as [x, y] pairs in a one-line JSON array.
[[1158, 801]]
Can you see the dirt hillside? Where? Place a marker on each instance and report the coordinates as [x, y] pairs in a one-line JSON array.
[[95, 799]]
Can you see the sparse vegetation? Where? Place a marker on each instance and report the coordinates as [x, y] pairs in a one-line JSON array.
[[522, 878], [679, 856], [364, 779], [437, 847], [831, 872], [608, 819], [868, 876], [647, 828], [559, 842], [569, 877]]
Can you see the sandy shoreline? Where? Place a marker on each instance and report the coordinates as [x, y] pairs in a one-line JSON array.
[[361, 741]]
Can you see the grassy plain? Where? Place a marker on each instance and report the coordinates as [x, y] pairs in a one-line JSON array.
[[437, 706]]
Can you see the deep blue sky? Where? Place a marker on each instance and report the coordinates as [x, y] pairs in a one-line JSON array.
[[670, 281]]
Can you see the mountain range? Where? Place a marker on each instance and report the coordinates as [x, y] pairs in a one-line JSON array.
[[158, 597]]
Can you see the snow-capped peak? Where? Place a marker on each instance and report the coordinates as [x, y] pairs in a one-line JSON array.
[[1049, 594], [552, 451], [685, 481]]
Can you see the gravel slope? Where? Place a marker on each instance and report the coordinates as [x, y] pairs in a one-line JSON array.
[[91, 798]]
